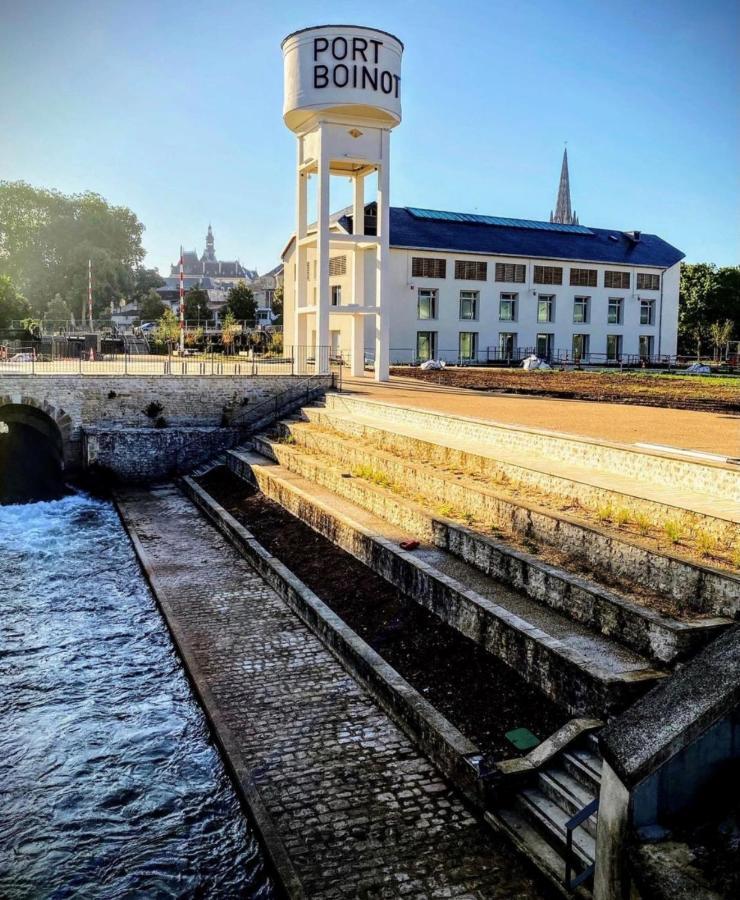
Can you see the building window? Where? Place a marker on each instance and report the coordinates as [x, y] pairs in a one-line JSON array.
[[616, 310], [620, 280], [613, 346], [507, 343], [647, 312], [544, 345], [546, 308], [548, 275], [580, 346], [514, 273], [583, 277], [581, 309], [336, 295], [468, 270], [338, 265], [646, 346], [427, 267], [468, 345], [426, 345], [469, 304], [507, 308], [427, 304], [647, 281]]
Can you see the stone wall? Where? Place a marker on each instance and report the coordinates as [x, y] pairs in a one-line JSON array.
[[141, 455], [79, 402]]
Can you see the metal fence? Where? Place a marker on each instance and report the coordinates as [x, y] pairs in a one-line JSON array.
[[492, 356], [294, 360]]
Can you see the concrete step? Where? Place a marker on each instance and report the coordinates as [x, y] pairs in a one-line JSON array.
[[566, 792], [704, 589], [549, 819], [564, 481], [585, 673], [705, 479], [584, 769], [661, 638]]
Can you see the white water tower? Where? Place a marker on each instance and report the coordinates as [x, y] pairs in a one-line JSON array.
[[342, 97]]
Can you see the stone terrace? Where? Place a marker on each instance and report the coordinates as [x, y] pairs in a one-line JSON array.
[[346, 805]]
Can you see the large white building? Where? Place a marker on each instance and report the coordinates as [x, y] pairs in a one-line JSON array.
[[471, 287], [407, 284]]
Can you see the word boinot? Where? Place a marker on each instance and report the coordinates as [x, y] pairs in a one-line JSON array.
[[351, 62]]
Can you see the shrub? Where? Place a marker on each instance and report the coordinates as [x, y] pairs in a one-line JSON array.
[[447, 510], [153, 409]]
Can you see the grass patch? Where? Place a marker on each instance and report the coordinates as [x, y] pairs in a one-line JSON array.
[[673, 531]]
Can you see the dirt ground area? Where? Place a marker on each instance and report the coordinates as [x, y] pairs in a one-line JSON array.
[[716, 394], [475, 691], [708, 432]]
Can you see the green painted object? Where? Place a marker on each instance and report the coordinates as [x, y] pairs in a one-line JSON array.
[[522, 738]]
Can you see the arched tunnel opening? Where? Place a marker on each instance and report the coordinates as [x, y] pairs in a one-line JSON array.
[[31, 456]]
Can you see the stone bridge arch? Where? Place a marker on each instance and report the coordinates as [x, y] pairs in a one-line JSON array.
[[51, 422]]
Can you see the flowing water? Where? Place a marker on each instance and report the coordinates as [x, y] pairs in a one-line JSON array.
[[110, 786]]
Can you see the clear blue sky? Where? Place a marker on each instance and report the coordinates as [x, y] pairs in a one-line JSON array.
[[174, 109]]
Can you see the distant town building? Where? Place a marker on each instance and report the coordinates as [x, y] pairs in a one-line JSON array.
[[231, 271]]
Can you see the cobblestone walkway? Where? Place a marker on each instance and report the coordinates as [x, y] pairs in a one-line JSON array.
[[345, 796]]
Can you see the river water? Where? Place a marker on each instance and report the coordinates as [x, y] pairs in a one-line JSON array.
[[110, 786]]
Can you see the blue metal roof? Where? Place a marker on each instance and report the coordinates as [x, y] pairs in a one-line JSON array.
[[429, 230], [436, 215]]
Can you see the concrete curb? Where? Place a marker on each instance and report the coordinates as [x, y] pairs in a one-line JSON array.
[[239, 770], [454, 755]]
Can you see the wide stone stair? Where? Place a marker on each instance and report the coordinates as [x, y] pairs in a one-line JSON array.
[[463, 522]]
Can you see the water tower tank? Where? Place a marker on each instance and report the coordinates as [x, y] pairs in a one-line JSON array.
[[342, 70]]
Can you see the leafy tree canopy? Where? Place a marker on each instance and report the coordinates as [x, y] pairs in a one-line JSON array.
[[12, 304], [151, 307], [196, 305], [708, 295], [168, 328], [241, 303], [58, 312], [47, 238]]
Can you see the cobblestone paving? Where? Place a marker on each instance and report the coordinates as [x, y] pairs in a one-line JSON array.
[[360, 812]]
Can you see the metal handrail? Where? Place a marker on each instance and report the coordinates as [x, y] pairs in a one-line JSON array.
[[579, 818], [278, 400]]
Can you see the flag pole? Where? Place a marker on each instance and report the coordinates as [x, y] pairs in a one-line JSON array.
[[182, 306], [89, 293]]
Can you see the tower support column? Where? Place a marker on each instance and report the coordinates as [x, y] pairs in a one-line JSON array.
[[382, 252], [358, 278], [322, 255]]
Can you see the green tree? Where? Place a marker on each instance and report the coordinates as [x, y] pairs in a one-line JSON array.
[[47, 238], [720, 333], [196, 305], [57, 312], [145, 281], [13, 306], [151, 307], [277, 304], [230, 328], [168, 328], [707, 295], [241, 303]]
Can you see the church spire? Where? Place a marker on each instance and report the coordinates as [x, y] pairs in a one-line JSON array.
[[563, 213], [210, 252]]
